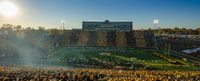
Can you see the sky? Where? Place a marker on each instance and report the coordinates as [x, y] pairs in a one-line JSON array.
[[49, 13]]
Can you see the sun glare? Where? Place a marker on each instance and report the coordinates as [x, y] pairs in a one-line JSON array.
[[8, 8]]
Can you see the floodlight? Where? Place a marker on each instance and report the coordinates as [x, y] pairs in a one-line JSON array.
[[156, 21], [63, 21]]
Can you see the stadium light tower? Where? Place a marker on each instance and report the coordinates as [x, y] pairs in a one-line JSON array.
[[155, 22], [63, 25]]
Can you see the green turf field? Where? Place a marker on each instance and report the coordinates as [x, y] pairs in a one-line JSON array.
[[120, 58]]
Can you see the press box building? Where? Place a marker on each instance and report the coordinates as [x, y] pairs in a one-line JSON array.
[[107, 26]]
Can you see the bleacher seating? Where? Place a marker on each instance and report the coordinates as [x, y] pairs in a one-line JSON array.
[[101, 38], [140, 41], [92, 41], [75, 35], [134, 39], [121, 40], [83, 38], [66, 38], [130, 39], [111, 38], [149, 37]]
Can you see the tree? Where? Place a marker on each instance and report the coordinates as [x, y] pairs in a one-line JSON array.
[[18, 27], [7, 27], [41, 28], [54, 31], [176, 30], [28, 28], [190, 31], [198, 30], [183, 30]]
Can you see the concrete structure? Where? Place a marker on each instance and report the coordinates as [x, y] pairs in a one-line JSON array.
[[107, 26]]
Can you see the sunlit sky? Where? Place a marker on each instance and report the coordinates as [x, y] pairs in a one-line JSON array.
[[49, 13]]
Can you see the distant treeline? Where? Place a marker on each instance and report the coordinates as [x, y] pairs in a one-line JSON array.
[[176, 30]]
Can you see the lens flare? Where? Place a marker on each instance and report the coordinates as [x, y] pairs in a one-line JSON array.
[[8, 8]]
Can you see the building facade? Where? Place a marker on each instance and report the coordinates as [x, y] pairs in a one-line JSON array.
[[106, 26]]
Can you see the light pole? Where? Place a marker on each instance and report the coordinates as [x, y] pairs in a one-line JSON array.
[[63, 26], [155, 22]]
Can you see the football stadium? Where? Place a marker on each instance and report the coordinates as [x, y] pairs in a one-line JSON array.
[[95, 48], [89, 48]]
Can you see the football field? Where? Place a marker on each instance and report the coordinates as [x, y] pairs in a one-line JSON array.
[[120, 58]]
